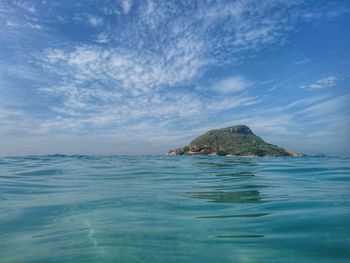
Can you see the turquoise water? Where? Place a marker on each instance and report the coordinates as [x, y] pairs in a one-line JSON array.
[[174, 209]]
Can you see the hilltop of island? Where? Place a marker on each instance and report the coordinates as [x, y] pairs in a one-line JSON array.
[[236, 140]]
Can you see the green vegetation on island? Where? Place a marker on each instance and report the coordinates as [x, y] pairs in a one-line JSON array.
[[236, 140]]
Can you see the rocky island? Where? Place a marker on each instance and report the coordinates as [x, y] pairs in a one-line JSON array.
[[236, 140]]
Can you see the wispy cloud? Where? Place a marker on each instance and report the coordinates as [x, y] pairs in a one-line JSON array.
[[328, 106], [327, 82], [231, 85], [102, 38], [126, 5], [95, 21], [126, 70], [302, 61], [179, 53], [25, 5]]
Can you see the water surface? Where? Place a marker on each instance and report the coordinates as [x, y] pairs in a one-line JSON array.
[[174, 209]]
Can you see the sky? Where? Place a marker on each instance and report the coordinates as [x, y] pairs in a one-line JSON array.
[[141, 77]]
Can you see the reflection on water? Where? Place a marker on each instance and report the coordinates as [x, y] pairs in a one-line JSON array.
[[240, 236], [237, 174], [231, 216], [62, 208], [230, 188], [251, 196], [229, 162]]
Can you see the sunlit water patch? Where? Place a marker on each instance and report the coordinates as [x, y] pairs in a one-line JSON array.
[[174, 209]]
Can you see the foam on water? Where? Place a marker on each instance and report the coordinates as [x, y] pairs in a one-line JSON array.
[[174, 209]]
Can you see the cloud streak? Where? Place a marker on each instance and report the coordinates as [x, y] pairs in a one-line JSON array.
[[327, 82]]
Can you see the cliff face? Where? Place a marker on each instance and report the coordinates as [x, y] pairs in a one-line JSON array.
[[236, 140]]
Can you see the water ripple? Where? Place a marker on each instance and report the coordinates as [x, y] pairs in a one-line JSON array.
[[61, 208]]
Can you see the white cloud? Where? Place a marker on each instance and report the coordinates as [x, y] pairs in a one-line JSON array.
[[25, 5], [10, 23], [327, 107], [302, 61], [95, 21], [116, 86], [123, 69], [231, 85], [102, 38], [24, 25], [126, 5], [154, 58], [321, 84], [300, 103]]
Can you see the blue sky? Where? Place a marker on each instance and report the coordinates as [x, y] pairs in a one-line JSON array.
[[140, 77]]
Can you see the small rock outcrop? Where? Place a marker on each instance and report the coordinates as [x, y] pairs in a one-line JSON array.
[[236, 140]]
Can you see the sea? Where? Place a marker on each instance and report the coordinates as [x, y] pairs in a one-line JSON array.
[[60, 208]]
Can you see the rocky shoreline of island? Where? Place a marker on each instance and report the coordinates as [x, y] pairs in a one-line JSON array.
[[233, 141]]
